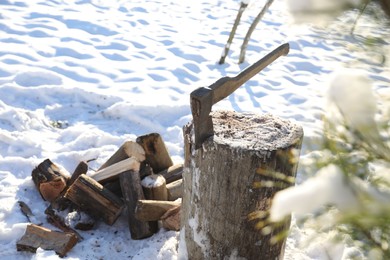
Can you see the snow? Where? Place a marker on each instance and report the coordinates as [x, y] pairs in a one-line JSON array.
[[327, 187], [79, 78], [155, 180]]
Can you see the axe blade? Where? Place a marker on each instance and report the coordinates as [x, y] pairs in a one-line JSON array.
[[201, 103]]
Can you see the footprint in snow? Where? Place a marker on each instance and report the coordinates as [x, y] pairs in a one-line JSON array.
[[35, 78]]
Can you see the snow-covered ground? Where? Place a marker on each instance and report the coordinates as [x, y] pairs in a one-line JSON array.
[[80, 77]]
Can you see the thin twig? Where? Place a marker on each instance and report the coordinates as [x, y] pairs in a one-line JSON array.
[[251, 29], [233, 32]]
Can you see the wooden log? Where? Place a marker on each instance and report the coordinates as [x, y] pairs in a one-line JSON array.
[[82, 168], [62, 203], [62, 208], [154, 187], [127, 150], [153, 210], [173, 173], [156, 152], [115, 186], [93, 198], [171, 219], [112, 172], [132, 192], [220, 181], [175, 190], [49, 179], [36, 236]]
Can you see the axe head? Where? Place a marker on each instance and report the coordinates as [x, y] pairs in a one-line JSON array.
[[201, 104]]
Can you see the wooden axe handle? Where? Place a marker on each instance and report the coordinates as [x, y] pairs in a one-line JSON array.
[[202, 99], [227, 85]]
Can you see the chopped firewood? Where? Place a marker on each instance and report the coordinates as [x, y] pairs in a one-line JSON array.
[[93, 198], [36, 236], [112, 172], [50, 180], [173, 173], [132, 192], [62, 209], [175, 190], [127, 150], [82, 168], [156, 152], [171, 219], [153, 210], [154, 187]]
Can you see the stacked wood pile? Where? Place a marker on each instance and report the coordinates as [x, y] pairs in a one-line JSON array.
[[138, 180]]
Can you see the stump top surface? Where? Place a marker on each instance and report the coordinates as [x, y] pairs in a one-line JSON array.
[[254, 131]]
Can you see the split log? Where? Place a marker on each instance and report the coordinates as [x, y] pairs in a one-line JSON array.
[[171, 219], [36, 236], [173, 173], [175, 190], [154, 187], [132, 192], [127, 150], [82, 168], [62, 203], [115, 186], [93, 198], [62, 209], [111, 172], [156, 152], [50, 180], [221, 179], [153, 210]]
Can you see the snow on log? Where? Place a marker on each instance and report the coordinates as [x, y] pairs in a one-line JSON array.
[[222, 180], [154, 187]]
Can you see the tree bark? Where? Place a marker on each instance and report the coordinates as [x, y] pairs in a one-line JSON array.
[[220, 180]]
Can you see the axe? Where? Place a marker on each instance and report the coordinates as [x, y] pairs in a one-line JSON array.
[[203, 98]]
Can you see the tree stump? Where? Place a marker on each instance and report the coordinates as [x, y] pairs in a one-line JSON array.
[[220, 182]]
